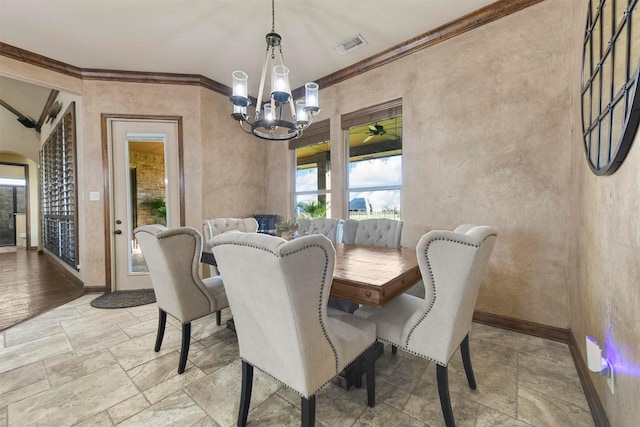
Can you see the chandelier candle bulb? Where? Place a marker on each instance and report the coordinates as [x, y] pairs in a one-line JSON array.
[[301, 115], [267, 111], [239, 85], [311, 96], [280, 84]]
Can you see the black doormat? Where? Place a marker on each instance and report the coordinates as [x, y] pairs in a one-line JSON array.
[[123, 299]]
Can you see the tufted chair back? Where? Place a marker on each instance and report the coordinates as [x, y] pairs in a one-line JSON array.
[[213, 227], [373, 232], [329, 227], [278, 292]]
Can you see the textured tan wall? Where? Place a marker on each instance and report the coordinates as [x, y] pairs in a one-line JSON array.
[[486, 140], [605, 268], [223, 173], [134, 98], [233, 163]]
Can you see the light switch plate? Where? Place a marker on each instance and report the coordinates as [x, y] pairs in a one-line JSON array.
[[94, 196]]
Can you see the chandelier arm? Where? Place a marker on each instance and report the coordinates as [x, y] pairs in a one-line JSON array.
[[309, 120], [293, 108], [261, 90], [243, 129]]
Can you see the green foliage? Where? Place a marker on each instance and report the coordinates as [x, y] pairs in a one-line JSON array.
[[286, 225], [157, 208], [313, 209]]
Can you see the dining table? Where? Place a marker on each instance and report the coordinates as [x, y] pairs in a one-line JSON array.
[[373, 275], [369, 275]]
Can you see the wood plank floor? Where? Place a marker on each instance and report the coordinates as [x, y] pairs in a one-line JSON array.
[[30, 284]]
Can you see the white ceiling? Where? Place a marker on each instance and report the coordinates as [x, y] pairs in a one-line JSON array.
[[214, 37], [211, 38]]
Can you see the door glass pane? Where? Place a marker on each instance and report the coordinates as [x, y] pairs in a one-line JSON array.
[[7, 217], [21, 200], [147, 191]]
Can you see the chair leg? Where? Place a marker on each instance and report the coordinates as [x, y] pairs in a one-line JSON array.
[[308, 411], [162, 322], [245, 395], [184, 351], [370, 369], [443, 391], [394, 349], [466, 361], [218, 317], [358, 363]]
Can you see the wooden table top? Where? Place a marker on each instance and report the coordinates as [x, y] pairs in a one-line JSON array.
[[372, 275], [368, 275]]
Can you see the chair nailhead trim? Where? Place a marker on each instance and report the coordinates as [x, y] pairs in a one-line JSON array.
[[433, 284], [322, 289], [194, 258], [296, 391]]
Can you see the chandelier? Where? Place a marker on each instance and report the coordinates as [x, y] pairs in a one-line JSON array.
[[271, 124]]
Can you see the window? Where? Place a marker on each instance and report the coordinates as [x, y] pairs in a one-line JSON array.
[[375, 161], [312, 183]]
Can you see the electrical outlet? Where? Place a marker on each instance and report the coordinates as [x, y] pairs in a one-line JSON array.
[[610, 380]]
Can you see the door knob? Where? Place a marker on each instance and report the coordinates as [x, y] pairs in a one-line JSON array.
[[117, 232]]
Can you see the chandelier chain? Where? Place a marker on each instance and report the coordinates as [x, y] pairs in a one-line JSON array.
[[273, 16]]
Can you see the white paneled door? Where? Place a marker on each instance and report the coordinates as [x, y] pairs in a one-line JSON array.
[[145, 187]]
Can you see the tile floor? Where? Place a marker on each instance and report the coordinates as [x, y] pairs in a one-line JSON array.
[[78, 365]]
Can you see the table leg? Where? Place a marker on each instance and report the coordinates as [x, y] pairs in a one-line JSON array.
[[347, 377]]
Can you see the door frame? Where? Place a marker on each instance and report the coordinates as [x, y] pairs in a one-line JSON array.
[[106, 173]]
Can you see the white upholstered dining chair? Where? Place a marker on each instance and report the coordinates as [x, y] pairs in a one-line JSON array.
[[329, 227], [452, 264], [214, 226], [173, 258], [278, 292], [382, 232]]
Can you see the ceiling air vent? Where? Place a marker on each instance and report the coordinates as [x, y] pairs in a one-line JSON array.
[[349, 45]]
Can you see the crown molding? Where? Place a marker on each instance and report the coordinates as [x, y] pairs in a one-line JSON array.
[[476, 19], [480, 17]]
